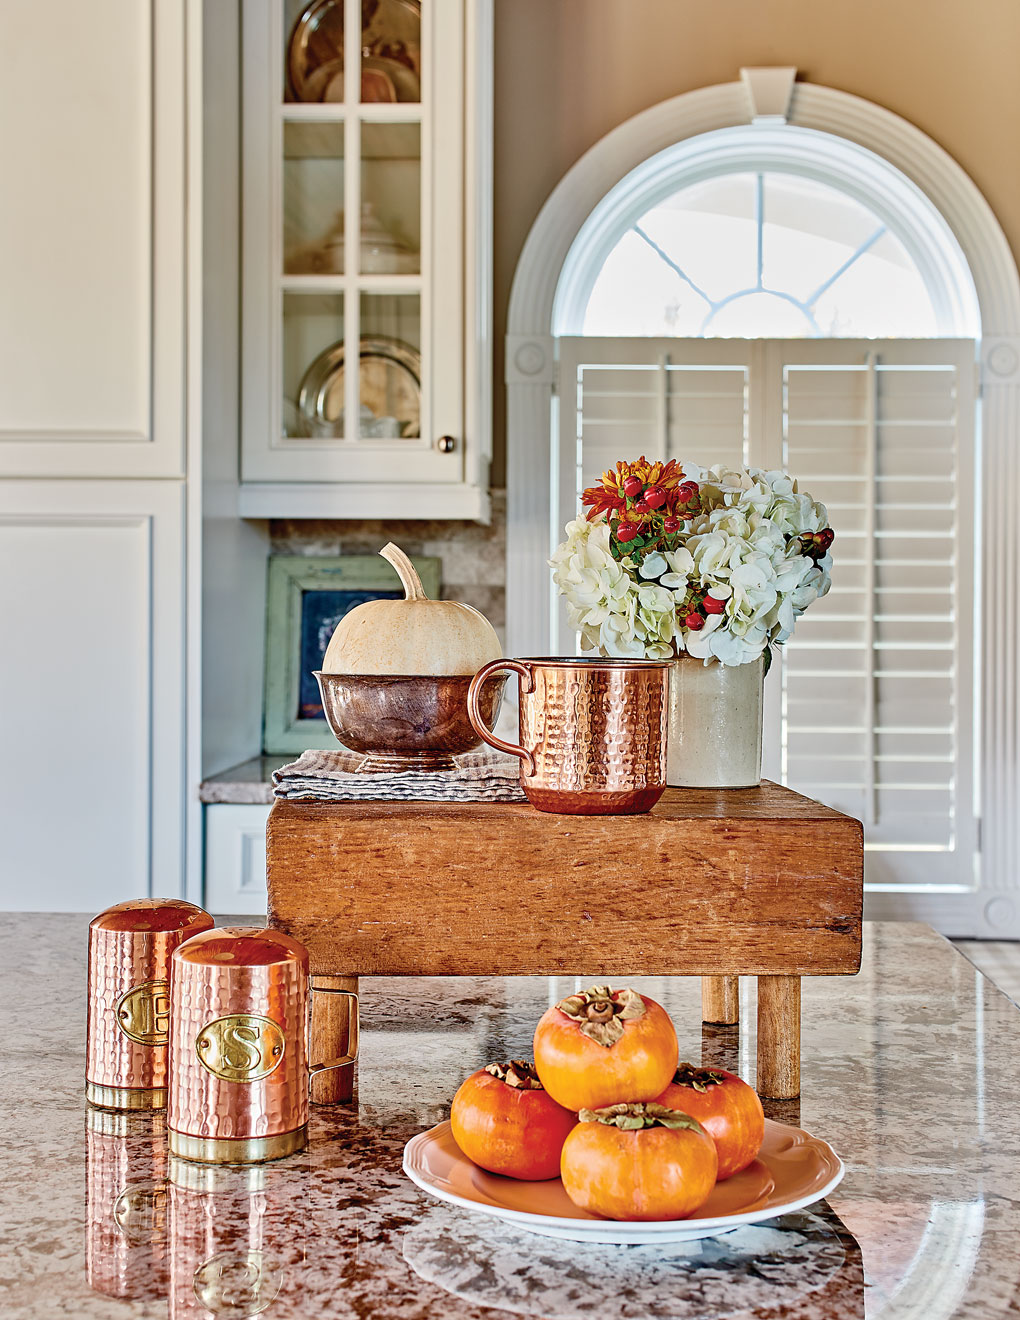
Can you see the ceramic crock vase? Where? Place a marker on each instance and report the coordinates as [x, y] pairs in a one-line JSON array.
[[713, 735]]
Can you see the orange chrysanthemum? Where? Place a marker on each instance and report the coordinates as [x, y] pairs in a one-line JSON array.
[[610, 494]]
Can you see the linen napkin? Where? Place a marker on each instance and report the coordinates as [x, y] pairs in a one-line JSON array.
[[333, 777]]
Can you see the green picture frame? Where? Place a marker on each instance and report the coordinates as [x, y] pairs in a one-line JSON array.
[[297, 620]]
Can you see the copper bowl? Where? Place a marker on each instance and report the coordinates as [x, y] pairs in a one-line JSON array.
[[407, 721]]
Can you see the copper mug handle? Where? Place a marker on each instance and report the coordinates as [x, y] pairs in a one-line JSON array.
[[523, 670], [314, 1068]]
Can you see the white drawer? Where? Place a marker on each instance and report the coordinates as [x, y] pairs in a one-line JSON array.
[[235, 858]]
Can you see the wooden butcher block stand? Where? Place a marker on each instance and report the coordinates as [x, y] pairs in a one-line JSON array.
[[719, 884]]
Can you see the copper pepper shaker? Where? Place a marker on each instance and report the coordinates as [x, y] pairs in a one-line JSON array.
[[238, 1047], [130, 946]]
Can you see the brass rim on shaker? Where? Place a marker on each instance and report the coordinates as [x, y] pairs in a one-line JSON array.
[[236, 1150], [125, 1097]]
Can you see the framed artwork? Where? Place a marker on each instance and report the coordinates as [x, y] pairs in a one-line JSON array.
[[305, 601]]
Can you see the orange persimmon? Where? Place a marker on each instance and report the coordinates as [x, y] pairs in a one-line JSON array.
[[639, 1162], [726, 1107], [505, 1122], [605, 1047]]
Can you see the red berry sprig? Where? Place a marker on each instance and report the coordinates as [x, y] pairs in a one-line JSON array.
[[646, 517]]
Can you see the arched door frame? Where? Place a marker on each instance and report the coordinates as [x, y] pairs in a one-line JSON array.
[[530, 375]]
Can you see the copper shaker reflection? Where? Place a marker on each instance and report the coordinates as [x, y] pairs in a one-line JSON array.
[[130, 948], [233, 1235], [238, 1050], [126, 1204]]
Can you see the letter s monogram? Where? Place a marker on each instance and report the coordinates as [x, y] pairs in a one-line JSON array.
[[240, 1048], [244, 1047]]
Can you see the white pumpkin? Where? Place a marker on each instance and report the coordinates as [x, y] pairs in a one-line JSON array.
[[411, 636]]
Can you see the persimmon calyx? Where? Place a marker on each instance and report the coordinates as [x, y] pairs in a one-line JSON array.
[[635, 1118], [518, 1073], [698, 1079], [600, 1012]]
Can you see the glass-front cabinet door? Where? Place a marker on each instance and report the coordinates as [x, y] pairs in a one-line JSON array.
[[365, 257]]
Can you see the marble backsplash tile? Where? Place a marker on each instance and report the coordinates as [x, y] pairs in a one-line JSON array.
[[473, 556]]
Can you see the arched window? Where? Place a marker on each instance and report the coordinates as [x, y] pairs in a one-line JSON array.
[[760, 255], [760, 232]]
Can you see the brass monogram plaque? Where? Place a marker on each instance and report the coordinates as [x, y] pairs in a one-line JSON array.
[[240, 1048], [143, 1013], [236, 1284]]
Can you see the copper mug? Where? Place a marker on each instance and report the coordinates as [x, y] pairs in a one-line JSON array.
[[130, 948], [593, 732], [239, 1074]]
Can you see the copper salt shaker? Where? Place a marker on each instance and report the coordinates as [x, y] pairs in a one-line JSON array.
[[130, 946], [238, 1051]]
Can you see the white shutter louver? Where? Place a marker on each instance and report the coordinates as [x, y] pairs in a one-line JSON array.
[[877, 697]]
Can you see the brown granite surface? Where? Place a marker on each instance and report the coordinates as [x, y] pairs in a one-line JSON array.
[[249, 782], [910, 1071]]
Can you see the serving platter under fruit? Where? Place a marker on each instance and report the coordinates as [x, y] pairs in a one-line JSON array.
[[793, 1169]]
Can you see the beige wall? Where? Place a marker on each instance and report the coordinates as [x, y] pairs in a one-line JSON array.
[[567, 71]]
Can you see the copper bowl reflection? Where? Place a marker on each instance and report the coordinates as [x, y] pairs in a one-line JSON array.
[[406, 722]]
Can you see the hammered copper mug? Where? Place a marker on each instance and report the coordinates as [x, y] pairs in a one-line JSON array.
[[239, 1074], [593, 732]]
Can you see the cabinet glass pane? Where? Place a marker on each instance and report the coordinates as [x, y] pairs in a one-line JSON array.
[[313, 194], [313, 50], [313, 345], [390, 50], [391, 199], [390, 376]]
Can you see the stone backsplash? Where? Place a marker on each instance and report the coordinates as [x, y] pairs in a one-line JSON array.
[[473, 556]]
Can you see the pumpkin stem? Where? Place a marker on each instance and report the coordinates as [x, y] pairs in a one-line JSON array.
[[409, 579]]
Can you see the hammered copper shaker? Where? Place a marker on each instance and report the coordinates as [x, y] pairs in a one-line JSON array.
[[126, 1204], [592, 732], [238, 1047], [130, 946]]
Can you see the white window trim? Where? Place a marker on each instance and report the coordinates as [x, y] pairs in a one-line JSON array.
[[994, 910]]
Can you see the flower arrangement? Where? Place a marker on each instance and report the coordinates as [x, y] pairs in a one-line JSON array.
[[715, 562]]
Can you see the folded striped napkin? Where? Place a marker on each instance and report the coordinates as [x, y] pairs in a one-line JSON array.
[[334, 777]]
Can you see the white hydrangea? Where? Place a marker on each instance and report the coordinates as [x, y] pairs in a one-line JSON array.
[[744, 548]]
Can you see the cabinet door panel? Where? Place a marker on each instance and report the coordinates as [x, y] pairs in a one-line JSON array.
[[91, 703], [92, 239]]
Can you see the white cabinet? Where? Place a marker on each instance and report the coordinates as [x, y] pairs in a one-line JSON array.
[[366, 238], [95, 262], [92, 695], [92, 241], [235, 858]]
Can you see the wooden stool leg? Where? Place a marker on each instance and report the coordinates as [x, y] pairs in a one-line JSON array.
[[720, 999], [779, 1037], [330, 1037]]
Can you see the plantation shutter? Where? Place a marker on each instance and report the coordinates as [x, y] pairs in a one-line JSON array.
[[871, 708]]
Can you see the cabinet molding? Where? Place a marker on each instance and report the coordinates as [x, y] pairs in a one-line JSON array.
[[91, 584], [92, 368]]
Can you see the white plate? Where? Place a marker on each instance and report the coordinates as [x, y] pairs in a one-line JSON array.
[[793, 1170]]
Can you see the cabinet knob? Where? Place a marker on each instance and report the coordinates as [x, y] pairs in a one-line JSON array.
[[446, 444]]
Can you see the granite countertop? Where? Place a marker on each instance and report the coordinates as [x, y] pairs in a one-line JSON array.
[[909, 1071], [250, 782]]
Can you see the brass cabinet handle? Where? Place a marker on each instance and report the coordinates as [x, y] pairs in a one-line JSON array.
[[446, 444]]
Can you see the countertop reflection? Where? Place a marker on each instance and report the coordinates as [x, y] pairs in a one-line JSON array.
[[909, 1071]]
